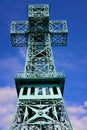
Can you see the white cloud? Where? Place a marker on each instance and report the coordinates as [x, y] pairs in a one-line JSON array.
[[7, 94], [79, 123], [8, 100], [85, 103], [78, 116], [76, 109]]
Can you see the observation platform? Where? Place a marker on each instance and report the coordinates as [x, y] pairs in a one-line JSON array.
[[57, 80]]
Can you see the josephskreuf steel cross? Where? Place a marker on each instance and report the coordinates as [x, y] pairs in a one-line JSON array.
[[39, 88], [39, 34]]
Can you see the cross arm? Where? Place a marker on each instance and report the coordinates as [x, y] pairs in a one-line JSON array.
[[58, 32], [19, 33]]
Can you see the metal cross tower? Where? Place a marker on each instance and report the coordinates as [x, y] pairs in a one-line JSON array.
[[40, 88]]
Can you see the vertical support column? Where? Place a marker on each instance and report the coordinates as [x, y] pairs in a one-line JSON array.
[[21, 91], [36, 91], [44, 91], [28, 91], [51, 91]]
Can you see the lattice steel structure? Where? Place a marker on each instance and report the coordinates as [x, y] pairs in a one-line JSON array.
[[40, 88]]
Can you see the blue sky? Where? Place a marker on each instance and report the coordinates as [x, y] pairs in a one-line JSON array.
[[71, 59]]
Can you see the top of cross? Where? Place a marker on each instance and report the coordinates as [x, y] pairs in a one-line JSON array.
[[20, 30]]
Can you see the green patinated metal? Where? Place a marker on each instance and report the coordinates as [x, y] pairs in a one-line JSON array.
[[40, 87]]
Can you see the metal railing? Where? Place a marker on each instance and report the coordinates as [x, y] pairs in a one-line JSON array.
[[23, 75]]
